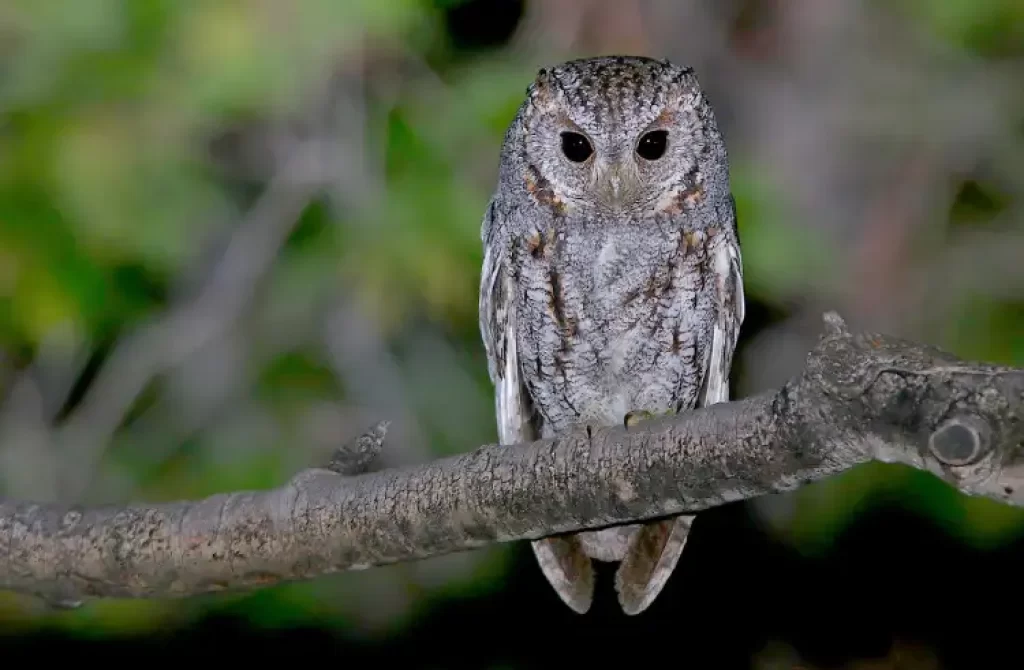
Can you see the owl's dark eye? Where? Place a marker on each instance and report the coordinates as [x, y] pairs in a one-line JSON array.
[[576, 147], [652, 145]]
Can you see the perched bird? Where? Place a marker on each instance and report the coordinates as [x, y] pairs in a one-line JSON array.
[[612, 283]]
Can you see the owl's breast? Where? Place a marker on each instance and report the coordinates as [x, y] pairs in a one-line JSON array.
[[612, 323]]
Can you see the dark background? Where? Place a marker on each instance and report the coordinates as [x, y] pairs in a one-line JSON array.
[[235, 233]]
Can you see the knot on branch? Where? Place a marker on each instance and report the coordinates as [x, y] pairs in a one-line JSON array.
[[960, 440]]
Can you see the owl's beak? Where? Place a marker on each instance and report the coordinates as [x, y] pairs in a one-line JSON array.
[[615, 185], [616, 182]]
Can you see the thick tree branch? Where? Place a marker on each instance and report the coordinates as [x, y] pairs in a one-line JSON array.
[[860, 397]]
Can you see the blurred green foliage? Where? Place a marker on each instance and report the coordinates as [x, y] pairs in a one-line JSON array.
[[987, 27], [108, 193]]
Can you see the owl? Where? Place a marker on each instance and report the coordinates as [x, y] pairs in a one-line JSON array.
[[612, 282]]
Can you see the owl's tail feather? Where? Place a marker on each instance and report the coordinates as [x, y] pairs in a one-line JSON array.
[[568, 568], [649, 560]]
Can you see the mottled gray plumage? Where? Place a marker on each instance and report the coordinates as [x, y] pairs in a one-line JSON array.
[[611, 284]]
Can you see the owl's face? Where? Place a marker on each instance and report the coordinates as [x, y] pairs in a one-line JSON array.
[[622, 134]]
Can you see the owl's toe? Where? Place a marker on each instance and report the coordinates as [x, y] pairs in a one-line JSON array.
[[633, 418]]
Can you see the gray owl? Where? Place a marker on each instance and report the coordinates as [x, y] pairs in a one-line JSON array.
[[612, 284]]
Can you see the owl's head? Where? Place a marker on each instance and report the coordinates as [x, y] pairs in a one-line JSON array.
[[626, 134]]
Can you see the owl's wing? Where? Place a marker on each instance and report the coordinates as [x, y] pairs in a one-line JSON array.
[[561, 558], [727, 266], [656, 548], [498, 328]]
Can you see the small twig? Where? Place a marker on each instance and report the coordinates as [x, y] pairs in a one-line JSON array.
[[358, 456]]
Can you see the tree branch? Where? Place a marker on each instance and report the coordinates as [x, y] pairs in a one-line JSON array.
[[860, 397]]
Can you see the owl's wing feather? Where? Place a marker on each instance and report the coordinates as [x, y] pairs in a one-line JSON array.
[[728, 272], [561, 558], [497, 325], [657, 546]]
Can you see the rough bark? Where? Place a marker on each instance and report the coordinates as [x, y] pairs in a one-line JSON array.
[[860, 397]]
